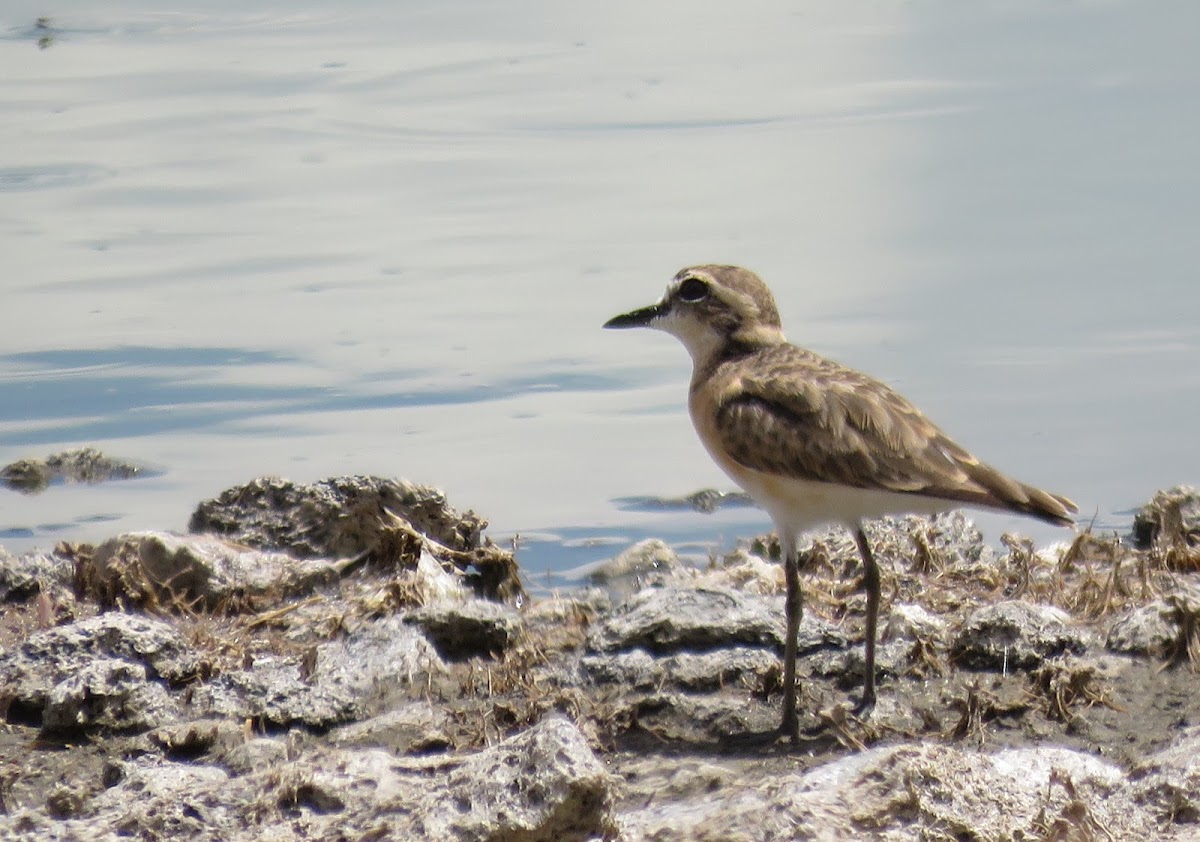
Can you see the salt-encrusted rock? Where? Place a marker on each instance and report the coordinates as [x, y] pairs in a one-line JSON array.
[[646, 563], [310, 520], [23, 577], [663, 620], [84, 465], [1168, 782], [907, 621], [413, 728], [30, 672], [950, 539], [1173, 513], [274, 693], [107, 693], [1151, 629], [329, 684], [848, 666], [388, 521], [192, 739], [255, 755], [462, 629], [691, 719], [910, 793], [433, 583], [152, 799], [744, 571], [946, 540], [1015, 635], [1008, 795], [563, 611], [160, 570], [702, 672], [706, 500], [543, 785]]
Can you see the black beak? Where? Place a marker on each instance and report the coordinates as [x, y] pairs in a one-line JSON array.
[[638, 318]]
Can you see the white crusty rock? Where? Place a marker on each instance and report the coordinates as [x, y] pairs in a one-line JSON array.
[[104, 659], [663, 620], [543, 785], [902, 793], [1015, 635], [160, 568]]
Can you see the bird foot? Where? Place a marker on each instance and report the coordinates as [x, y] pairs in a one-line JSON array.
[[753, 739], [862, 710]]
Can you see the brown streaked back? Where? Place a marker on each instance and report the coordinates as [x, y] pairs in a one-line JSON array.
[[787, 411]]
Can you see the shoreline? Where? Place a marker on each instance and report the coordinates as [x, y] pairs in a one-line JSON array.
[[355, 656]]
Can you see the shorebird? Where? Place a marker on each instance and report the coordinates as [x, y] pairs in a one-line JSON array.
[[813, 442]]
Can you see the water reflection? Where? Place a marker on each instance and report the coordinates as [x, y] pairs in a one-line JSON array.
[[103, 393]]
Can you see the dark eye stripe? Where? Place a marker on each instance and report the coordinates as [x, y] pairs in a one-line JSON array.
[[693, 289]]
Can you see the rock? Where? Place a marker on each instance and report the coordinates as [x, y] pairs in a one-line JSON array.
[[700, 672], [415, 728], [466, 629], [946, 540], [1168, 783], [647, 563], [108, 693], [1173, 514], [383, 653], [24, 577], [706, 501], [87, 464], [950, 540], [311, 521], [575, 607], [255, 755], [848, 667], [663, 620], [198, 737], [906, 621], [434, 583], [156, 799], [327, 686], [30, 673], [1015, 635], [387, 521], [743, 571], [1009, 795], [1151, 629], [159, 570], [274, 693], [689, 719], [910, 793], [561, 622], [542, 785]]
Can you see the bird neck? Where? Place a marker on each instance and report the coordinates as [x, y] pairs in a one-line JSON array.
[[741, 343]]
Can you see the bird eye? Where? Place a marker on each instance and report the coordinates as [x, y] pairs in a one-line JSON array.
[[693, 289]]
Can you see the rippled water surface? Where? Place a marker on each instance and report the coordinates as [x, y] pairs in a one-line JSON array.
[[311, 239]]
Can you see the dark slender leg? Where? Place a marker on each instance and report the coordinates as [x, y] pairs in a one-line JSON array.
[[793, 606], [871, 581]]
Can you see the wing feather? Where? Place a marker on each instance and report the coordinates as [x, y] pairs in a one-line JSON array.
[[795, 414]]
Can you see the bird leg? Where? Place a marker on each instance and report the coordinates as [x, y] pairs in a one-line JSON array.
[[871, 583], [793, 606]]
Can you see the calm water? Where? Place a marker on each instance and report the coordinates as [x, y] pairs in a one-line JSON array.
[[248, 238]]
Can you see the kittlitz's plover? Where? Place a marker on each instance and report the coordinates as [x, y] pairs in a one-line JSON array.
[[814, 442]]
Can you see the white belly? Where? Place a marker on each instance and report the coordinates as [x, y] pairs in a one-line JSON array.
[[796, 505]]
